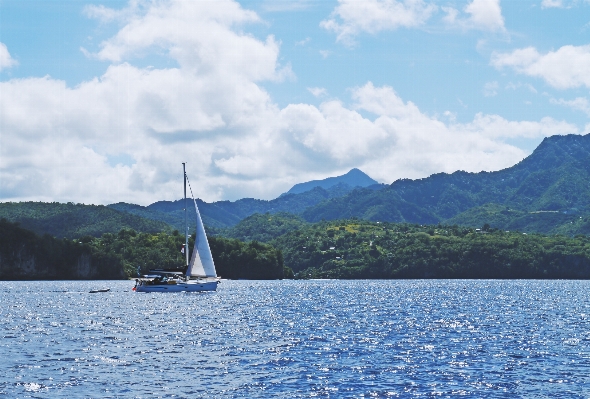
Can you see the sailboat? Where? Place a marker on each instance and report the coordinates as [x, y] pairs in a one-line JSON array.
[[199, 274]]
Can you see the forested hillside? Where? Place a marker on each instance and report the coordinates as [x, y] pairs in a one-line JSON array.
[[360, 249], [554, 178], [25, 255], [75, 220], [222, 214], [569, 223], [350, 248], [264, 227]]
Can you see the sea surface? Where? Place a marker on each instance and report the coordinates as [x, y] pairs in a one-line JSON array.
[[297, 339]]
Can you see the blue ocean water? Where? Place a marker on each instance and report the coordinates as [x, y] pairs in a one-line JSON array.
[[297, 339]]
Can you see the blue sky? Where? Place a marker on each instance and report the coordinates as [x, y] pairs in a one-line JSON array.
[[101, 101]]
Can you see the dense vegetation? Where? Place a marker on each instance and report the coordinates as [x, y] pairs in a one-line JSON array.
[[75, 220], [350, 248], [361, 249], [264, 227], [568, 223], [141, 252], [253, 261], [23, 254]]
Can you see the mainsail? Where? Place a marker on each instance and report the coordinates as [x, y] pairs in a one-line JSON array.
[[201, 264]]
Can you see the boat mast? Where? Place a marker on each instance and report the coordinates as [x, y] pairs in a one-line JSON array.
[[185, 217]]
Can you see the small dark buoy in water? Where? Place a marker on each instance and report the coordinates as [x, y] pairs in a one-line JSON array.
[[103, 290]]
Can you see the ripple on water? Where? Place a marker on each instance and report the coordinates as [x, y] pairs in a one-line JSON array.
[[293, 339]]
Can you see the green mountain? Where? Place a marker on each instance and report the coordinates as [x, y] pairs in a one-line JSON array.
[[505, 218], [75, 220], [223, 214], [265, 227], [553, 180], [354, 178]]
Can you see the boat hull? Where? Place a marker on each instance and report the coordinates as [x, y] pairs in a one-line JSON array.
[[179, 287]]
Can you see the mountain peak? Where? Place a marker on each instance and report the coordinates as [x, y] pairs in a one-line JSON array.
[[354, 178], [556, 151]]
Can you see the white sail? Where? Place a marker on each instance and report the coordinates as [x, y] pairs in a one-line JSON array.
[[201, 264]]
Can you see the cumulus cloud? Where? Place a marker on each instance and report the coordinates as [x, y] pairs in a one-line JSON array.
[[579, 104], [201, 111], [58, 142], [201, 38], [6, 61], [352, 17], [568, 67], [483, 15], [401, 141], [486, 13]]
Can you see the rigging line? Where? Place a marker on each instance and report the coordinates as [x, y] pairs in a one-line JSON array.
[[189, 186]]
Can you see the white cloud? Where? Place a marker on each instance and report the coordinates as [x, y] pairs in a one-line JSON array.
[[303, 42], [58, 143], [483, 15], [318, 91], [515, 86], [6, 61], [201, 112], [579, 104], [102, 13], [352, 17], [565, 68], [200, 38], [401, 141], [552, 4], [561, 3], [490, 89], [486, 14]]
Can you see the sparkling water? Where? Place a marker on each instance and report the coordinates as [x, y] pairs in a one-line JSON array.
[[297, 339]]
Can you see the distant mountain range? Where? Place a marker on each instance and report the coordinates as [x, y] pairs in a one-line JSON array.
[[354, 178], [223, 214], [547, 192]]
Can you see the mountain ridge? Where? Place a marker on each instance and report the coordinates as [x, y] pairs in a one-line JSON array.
[[552, 178], [354, 178], [546, 192]]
